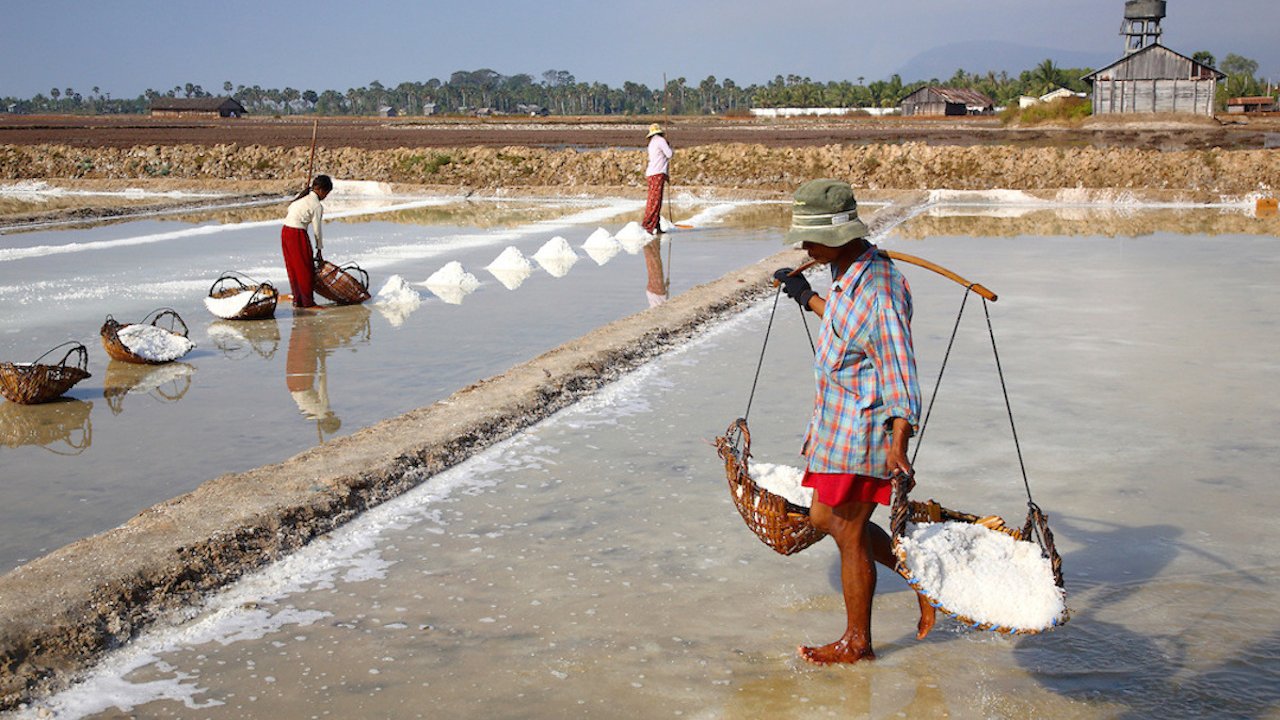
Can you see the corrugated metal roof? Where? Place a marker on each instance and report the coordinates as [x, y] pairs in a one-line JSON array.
[[206, 103], [960, 96]]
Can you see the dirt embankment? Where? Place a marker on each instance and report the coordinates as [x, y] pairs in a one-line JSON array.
[[728, 166]]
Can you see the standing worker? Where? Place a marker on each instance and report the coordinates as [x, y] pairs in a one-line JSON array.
[[656, 176], [867, 402], [305, 210]]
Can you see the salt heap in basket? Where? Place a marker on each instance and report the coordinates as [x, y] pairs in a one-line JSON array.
[[783, 481], [982, 575], [152, 343]]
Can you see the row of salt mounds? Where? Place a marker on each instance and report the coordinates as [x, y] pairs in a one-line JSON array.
[[153, 343], [396, 300], [451, 283], [510, 268], [983, 575], [556, 257]]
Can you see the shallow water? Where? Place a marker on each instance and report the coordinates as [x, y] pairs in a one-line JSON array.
[[252, 393], [595, 564]]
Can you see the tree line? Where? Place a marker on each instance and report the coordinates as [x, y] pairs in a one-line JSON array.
[[559, 92]]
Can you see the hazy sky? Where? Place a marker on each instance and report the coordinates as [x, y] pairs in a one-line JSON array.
[[126, 46]]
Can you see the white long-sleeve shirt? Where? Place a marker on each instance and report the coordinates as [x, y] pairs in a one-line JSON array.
[[659, 156], [306, 211]]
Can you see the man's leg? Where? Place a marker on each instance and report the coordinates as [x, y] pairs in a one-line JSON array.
[[848, 524], [882, 551]]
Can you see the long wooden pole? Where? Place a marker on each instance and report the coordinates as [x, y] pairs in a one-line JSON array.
[[919, 262], [311, 164]]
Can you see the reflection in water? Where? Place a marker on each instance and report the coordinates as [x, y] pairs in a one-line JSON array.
[[312, 338], [658, 286], [237, 339], [166, 383], [1007, 221], [50, 425]]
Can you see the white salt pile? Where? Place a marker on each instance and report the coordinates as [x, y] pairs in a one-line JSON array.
[[453, 275], [556, 257], [510, 259], [451, 283], [601, 247], [511, 268], [632, 232], [983, 574], [229, 306], [396, 300], [782, 480], [152, 343], [633, 238], [665, 225]]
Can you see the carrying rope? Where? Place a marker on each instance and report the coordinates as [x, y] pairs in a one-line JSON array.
[[768, 330], [1036, 522]]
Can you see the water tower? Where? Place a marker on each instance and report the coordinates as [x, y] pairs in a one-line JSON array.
[[1141, 24]]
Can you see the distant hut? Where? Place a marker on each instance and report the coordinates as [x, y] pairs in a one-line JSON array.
[[1154, 79], [1260, 104], [935, 100], [210, 107], [387, 111]]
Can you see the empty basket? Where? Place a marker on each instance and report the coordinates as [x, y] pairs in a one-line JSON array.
[[35, 382]]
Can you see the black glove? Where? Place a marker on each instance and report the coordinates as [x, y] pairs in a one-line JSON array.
[[795, 286]]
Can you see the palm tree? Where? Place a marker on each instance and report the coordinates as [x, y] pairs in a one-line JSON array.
[[1046, 77]]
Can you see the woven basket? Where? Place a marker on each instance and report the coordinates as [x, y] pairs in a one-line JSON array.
[[346, 285], [261, 305], [118, 351], [64, 421], [779, 524], [1037, 525], [33, 383]]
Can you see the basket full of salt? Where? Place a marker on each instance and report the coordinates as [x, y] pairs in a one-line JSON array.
[[979, 571], [781, 523], [231, 298], [35, 382], [346, 285], [153, 341]]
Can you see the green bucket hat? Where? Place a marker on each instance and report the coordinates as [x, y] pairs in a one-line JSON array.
[[824, 212]]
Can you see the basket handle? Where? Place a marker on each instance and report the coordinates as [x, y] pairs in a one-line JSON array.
[[1038, 522], [158, 313], [363, 276], [230, 275], [900, 510], [77, 348]]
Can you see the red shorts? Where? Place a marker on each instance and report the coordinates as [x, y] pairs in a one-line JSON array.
[[839, 488]]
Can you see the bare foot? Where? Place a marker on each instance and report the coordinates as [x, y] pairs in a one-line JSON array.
[[839, 651], [928, 615]]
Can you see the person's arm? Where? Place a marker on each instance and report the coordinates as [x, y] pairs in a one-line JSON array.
[[895, 362], [665, 147], [318, 223]]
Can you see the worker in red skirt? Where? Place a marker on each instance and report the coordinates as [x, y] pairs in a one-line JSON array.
[[656, 176], [867, 400], [305, 210]]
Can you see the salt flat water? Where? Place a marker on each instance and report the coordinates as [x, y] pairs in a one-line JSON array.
[[260, 392], [594, 564]]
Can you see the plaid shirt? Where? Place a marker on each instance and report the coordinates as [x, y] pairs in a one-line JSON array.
[[865, 369]]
